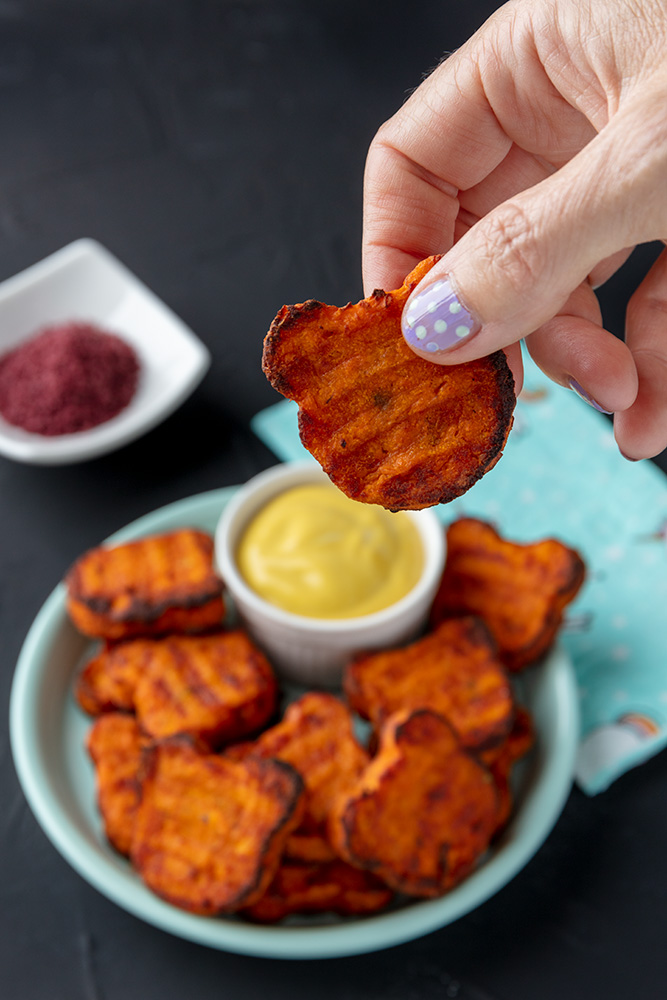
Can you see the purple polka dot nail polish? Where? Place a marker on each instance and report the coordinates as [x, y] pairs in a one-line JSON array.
[[586, 396], [434, 320]]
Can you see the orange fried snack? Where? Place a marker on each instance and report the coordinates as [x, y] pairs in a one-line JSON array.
[[453, 671], [115, 743], [501, 759], [387, 426], [329, 888], [210, 832], [165, 583], [310, 845], [316, 738], [217, 687], [520, 591], [107, 682], [424, 810]]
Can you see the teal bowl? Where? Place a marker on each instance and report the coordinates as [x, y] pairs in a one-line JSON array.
[[48, 731]]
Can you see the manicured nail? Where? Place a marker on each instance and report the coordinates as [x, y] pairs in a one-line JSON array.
[[435, 319], [586, 396]]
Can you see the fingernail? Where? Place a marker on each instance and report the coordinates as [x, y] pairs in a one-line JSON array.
[[435, 319], [586, 396], [627, 457]]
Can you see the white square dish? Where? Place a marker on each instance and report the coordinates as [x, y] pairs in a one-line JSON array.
[[84, 282]]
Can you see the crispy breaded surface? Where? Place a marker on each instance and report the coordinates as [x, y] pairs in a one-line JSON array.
[[146, 587], [320, 888], [315, 736], [453, 670], [217, 687], [108, 681], [520, 591], [210, 832], [387, 426], [115, 743], [424, 810]]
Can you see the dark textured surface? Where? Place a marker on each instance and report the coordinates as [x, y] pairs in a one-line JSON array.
[[218, 148]]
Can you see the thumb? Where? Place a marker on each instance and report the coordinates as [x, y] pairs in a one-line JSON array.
[[515, 269]]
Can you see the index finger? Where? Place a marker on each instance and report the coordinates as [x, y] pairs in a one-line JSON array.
[[453, 132], [445, 138]]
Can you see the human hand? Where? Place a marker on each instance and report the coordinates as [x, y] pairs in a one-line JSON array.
[[535, 158]]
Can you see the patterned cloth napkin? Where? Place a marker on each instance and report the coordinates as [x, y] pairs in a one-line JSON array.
[[562, 476]]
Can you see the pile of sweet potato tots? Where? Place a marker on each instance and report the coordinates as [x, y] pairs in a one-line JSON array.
[[223, 805]]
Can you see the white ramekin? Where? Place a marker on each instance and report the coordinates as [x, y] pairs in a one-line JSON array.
[[314, 650]]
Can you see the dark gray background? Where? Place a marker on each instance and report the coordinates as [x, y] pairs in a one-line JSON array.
[[218, 150]]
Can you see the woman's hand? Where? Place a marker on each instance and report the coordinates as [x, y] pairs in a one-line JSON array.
[[535, 159]]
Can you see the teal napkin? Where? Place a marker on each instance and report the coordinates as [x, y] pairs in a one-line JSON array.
[[562, 476]]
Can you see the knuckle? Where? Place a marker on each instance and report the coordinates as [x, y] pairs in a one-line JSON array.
[[652, 363], [383, 137], [640, 304], [512, 247], [379, 151]]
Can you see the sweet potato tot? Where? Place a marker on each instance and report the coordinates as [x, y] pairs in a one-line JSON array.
[[176, 620], [309, 844], [165, 583], [501, 760], [210, 832], [115, 743], [315, 736], [518, 742], [453, 670], [329, 888], [520, 591], [387, 426], [217, 688], [422, 813], [108, 681]]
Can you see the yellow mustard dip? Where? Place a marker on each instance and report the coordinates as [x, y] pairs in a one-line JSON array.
[[314, 552]]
